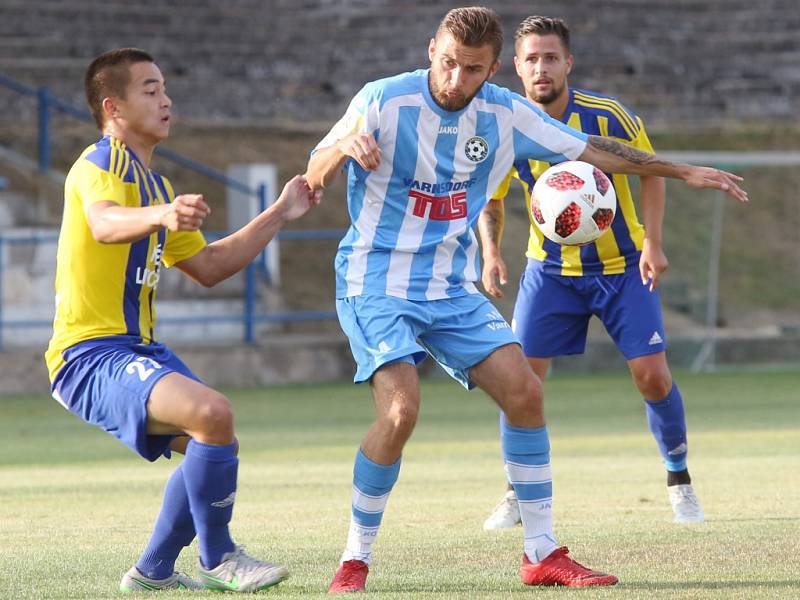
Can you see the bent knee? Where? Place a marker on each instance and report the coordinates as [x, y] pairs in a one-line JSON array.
[[214, 414], [654, 386], [524, 399], [403, 417]]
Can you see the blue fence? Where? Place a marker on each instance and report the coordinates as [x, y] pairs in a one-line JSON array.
[[249, 317], [47, 103]]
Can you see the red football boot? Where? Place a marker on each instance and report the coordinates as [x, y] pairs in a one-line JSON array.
[[351, 576], [560, 569]]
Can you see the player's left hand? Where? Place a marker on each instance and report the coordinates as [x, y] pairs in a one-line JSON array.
[[494, 274], [297, 198], [186, 212], [652, 263], [708, 177]]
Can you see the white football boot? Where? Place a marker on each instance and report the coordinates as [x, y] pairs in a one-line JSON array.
[[134, 581], [505, 515], [240, 572], [685, 504]]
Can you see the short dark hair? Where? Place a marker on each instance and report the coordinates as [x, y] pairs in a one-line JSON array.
[[109, 75], [474, 26], [543, 26]]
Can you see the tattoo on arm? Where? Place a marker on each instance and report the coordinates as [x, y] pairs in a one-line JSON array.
[[632, 155], [492, 220]]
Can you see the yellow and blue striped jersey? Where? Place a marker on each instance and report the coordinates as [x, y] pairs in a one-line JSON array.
[[618, 248], [109, 289]]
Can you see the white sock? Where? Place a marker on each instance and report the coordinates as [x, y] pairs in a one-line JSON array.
[[362, 534], [536, 515]]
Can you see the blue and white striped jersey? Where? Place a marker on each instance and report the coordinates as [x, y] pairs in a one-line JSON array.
[[412, 234]]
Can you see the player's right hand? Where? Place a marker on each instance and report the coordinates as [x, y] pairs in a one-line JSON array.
[[709, 177], [494, 271], [185, 213], [363, 148]]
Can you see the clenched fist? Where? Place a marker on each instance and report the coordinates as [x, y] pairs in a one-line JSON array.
[[185, 213], [362, 148]]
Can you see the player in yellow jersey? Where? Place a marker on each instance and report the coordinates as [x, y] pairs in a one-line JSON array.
[[615, 278], [121, 223]]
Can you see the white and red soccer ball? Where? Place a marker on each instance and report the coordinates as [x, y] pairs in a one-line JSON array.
[[573, 203]]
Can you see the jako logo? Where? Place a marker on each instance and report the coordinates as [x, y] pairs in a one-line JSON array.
[[448, 130]]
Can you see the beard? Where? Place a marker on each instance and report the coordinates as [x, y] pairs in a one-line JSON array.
[[548, 97], [450, 102]]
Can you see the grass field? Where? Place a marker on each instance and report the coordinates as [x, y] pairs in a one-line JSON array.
[[77, 506]]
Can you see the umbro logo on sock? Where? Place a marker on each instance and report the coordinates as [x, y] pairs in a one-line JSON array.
[[681, 449], [225, 502], [655, 339]]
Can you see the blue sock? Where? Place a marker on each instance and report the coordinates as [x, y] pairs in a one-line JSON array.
[[668, 423], [174, 529], [527, 455], [372, 483], [210, 475]]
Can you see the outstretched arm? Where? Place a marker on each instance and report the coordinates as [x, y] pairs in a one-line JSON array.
[[326, 163], [490, 227], [221, 259], [613, 157]]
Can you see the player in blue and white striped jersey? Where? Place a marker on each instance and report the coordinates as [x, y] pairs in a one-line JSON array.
[[413, 216], [423, 152]]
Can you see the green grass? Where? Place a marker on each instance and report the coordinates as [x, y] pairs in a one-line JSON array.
[[77, 506]]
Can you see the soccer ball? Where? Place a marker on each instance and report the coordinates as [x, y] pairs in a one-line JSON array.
[[573, 203]]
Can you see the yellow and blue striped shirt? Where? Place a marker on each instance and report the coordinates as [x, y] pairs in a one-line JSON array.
[[109, 289], [618, 248]]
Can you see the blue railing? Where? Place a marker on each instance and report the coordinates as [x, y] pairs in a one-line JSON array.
[[47, 103], [249, 317]]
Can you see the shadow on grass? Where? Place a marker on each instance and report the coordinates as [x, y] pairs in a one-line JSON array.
[[707, 585], [465, 588], [470, 591], [753, 520]]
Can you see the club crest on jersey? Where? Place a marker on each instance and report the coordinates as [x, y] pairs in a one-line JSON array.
[[476, 149]]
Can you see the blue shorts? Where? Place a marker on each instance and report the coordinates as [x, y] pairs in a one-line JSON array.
[[552, 313], [107, 382], [457, 332]]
